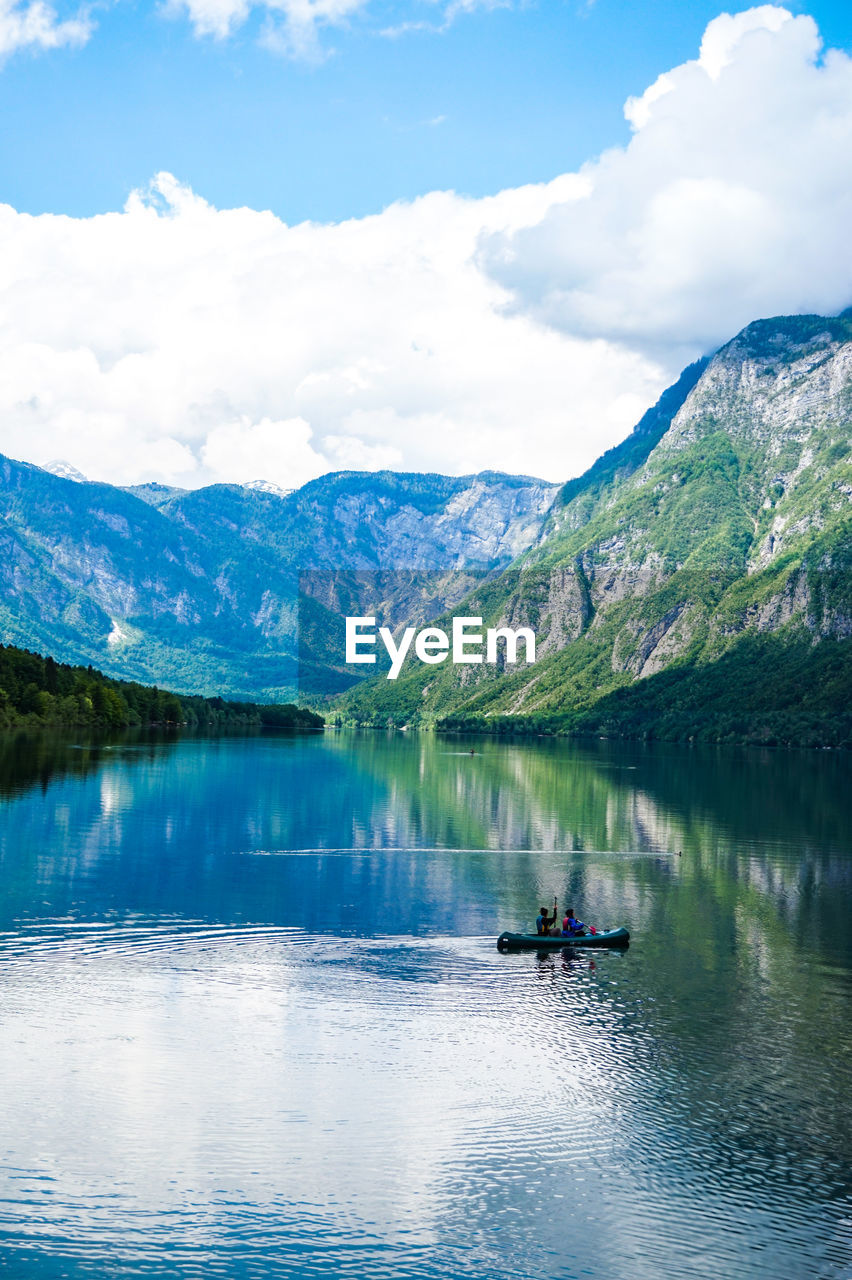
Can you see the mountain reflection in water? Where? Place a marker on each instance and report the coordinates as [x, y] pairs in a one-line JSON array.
[[254, 1022]]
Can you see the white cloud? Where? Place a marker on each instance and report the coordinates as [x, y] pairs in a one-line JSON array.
[[724, 35], [292, 27], [448, 11], [38, 26], [523, 332], [177, 342], [276, 451], [457, 7], [732, 200], [351, 453]]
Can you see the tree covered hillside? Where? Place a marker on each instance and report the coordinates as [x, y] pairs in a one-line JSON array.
[[39, 692]]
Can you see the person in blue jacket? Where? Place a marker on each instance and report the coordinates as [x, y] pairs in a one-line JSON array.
[[571, 926]]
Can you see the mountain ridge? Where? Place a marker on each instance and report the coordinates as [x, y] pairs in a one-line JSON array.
[[199, 589], [724, 514], [736, 521]]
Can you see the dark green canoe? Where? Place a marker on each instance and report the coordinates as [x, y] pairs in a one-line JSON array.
[[551, 942]]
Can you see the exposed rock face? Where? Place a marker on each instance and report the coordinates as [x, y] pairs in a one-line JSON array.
[[728, 510], [198, 589], [378, 521], [754, 467]]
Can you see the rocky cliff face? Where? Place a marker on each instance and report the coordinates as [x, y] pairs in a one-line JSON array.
[[731, 514], [726, 513], [377, 521], [198, 590]]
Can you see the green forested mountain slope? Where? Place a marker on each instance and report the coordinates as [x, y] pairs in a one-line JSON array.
[[729, 542]]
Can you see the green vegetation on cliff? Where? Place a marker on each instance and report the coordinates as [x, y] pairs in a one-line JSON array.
[[696, 582], [39, 692], [774, 690]]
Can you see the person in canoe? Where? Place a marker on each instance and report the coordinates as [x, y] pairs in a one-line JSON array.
[[544, 922], [572, 927]]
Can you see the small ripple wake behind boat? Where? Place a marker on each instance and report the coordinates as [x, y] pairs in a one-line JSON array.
[[552, 942]]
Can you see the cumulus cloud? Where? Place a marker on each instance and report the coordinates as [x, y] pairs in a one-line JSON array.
[[38, 26], [245, 450], [177, 342], [525, 332], [732, 200]]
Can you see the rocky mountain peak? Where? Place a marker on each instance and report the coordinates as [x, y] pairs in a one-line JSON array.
[[65, 471]]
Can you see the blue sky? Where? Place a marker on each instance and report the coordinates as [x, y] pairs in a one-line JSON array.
[[487, 242], [492, 97]]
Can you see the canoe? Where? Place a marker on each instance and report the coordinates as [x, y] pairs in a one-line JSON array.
[[552, 942]]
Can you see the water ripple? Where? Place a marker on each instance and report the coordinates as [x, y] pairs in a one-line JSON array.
[[226, 1057]]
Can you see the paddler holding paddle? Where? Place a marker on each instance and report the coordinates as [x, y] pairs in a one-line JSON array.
[[544, 922]]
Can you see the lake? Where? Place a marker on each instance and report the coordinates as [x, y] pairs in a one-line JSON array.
[[254, 1022]]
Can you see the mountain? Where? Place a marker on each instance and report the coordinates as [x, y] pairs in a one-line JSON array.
[[696, 580], [267, 486], [199, 590], [61, 468]]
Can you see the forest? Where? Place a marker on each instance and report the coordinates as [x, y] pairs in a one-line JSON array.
[[38, 692], [767, 689]]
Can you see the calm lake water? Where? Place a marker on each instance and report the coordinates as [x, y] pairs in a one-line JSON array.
[[253, 1021]]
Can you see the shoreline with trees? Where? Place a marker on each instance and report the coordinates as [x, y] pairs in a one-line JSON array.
[[38, 693]]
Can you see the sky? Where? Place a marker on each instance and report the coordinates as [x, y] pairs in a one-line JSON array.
[[267, 240]]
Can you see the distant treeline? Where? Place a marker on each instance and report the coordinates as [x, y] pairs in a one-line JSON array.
[[40, 692], [768, 689]]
